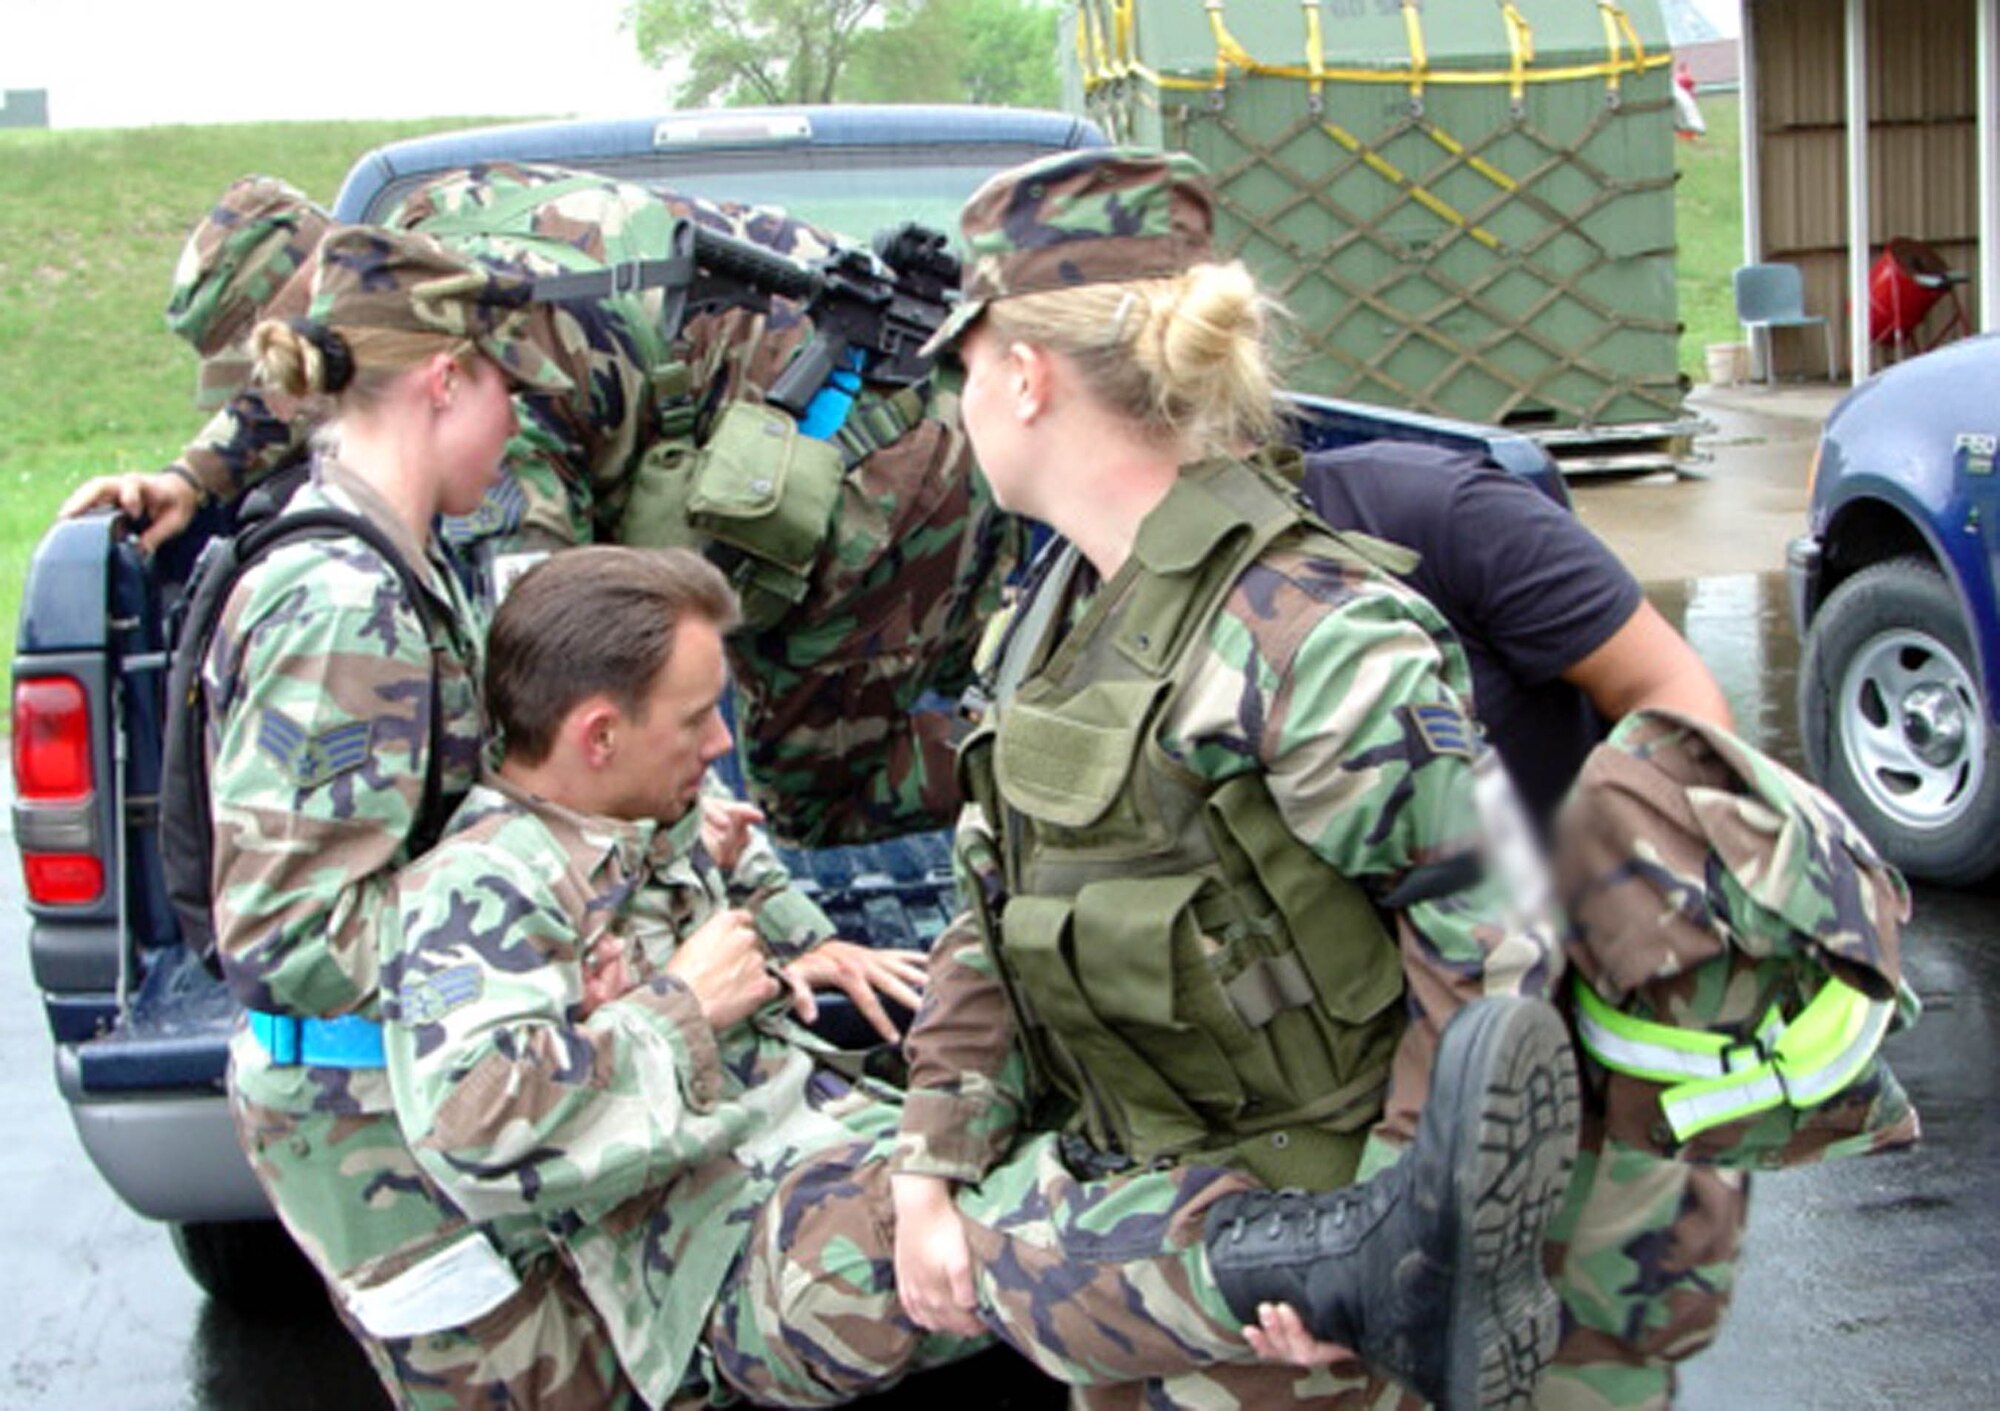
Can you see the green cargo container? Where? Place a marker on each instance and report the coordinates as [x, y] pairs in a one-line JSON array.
[[1468, 206]]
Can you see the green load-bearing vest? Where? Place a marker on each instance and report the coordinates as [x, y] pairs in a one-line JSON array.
[[1190, 975]]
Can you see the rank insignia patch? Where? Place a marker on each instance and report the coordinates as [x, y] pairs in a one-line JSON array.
[[310, 761], [1444, 729], [429, 999]]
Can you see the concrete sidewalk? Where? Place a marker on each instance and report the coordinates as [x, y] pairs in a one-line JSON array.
[[1743, 498]]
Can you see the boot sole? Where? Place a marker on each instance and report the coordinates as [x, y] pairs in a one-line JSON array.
[[1505, 1316]]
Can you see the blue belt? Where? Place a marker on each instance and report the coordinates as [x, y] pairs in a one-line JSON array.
[[347, 1042]]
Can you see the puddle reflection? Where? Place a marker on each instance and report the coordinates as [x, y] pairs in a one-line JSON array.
[[1740, 626]]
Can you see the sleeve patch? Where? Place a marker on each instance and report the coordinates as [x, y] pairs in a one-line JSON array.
[[1444, 729], [311, 761], [428, 999]]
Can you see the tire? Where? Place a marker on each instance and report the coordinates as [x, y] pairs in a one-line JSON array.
[[1895, 726], [250, 1265]]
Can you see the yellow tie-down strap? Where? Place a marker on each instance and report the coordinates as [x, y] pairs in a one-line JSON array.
[[1711, 1079], [1107, 52]]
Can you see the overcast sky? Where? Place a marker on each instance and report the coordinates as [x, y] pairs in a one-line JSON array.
[[120, 63]]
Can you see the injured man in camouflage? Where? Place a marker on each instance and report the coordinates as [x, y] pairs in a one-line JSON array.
[[590, 1049]]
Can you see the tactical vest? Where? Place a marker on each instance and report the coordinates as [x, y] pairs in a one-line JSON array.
[[1187, 973]]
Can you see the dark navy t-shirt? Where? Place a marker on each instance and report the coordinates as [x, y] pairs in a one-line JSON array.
[[1528, 589]]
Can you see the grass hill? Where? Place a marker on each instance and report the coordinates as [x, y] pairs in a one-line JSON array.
[[91, 223]]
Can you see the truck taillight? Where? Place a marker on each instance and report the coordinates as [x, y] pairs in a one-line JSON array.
[[63, 878], [51, 740], [54, 792]]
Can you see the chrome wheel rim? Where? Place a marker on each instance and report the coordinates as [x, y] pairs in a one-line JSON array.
[[1912, 732]]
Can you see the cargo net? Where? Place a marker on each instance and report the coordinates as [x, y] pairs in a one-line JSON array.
[[1507, 275]]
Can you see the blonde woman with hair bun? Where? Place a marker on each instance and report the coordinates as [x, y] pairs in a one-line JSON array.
[[1231, 872]]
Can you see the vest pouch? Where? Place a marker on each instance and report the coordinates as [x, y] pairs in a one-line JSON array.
[[1324, 996], [1271, 1094], [1066, 765], [1127, 1104], [656, 504], [758, 486], [1143, 964]]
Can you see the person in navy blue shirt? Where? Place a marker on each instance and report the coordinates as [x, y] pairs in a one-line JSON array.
[[1561, 640]]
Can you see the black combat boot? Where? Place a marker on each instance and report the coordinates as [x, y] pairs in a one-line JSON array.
[[1431, 1271]]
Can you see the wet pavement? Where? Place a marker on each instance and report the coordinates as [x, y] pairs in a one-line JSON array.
[[1866, 1283]]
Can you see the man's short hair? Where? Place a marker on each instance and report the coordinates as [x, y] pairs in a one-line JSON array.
[[598, 620]]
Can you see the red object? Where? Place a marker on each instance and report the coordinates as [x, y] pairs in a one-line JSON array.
[[51, 740], [1684, 76], [52, 770], [63, 878], [1904, 284]]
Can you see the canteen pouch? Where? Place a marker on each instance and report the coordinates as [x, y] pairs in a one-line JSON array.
[[760, 485]]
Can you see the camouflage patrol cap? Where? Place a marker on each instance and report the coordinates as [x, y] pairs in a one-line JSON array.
[[1102, 215], [370, 277], [259, 233]]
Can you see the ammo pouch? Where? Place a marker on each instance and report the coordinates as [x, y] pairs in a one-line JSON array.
[[757, 490], [1244, 1013], [1736, 950]]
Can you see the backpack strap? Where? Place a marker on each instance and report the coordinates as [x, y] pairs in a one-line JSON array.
[[187, 829]]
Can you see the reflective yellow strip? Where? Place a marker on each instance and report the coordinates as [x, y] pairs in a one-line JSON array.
[[1413, 25], [1521, 46], [1693, 1108], [1315, 48], [1659, 1053], [1711, 1080], [1826, 1047]]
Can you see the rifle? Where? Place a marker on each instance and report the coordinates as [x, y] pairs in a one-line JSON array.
[[871, 310]]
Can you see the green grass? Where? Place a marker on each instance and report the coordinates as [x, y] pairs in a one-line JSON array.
[[1708, 219], [91, 223]]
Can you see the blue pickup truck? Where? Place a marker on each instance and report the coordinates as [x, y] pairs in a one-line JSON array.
[[1895, 595], [141, 1030]]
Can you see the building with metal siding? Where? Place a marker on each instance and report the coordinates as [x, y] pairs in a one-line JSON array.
[[1867, 121]]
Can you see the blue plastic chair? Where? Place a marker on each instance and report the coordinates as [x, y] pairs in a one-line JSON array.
[[1774, 296]]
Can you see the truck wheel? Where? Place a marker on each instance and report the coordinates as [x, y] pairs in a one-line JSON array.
[[251, 1265], [1894, 725]]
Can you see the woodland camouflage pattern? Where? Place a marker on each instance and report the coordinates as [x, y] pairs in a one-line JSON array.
[[916, 553], [1703, 883], [320, 686], [1643, 1254], [1102, 1284], [258, 235], [374, 278], [1343, 691], [636, 1139], [723, 1198], [1075, 218]]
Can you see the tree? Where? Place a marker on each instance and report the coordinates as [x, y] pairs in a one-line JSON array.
[[1000, 52], [754, 51], [735, 52]]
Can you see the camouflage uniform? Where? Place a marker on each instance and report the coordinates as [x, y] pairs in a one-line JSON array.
[[637, 1140], [724, 1197], [1242, 652], [1705, 884], [837, 744], [320, 693]]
